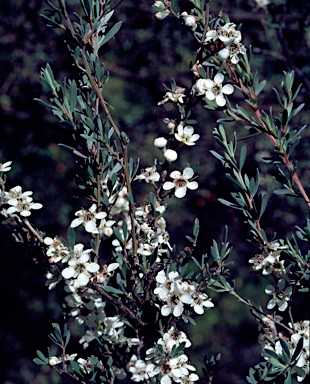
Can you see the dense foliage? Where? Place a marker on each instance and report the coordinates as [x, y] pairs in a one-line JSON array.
[[138, 280]]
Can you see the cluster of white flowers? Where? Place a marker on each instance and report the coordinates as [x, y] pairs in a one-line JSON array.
[[300, 329], [152, 233], [269, 261], [213, 89], [20, 202], [181, 181], [172, 369], [179, 295], [231, 38]]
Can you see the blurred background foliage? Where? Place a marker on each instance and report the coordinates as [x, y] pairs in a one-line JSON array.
[[145, 54]]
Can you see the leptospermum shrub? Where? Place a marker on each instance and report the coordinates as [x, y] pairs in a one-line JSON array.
[[134, 302]]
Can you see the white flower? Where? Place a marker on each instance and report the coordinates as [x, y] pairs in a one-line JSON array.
[[199, 301], [170, 155], [105, 227], [20, 202], [216, 89], [88, 219], [80, 269], [180, 367], [226, 33], [181, 182], [164, 285], [175, 301], [54, 360], [5, 167], [173, 337], [15, 194], [201, 87], [176, 96], [232, 51], [186, 135], [160, 142], [279, 297], [56, 249], [141, 370], [105, 271], [149, 174], [187, 379]]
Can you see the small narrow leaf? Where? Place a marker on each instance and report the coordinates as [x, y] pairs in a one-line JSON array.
[[112, 32]]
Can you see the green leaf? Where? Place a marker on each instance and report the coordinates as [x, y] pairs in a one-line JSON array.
[[242, 156], [288, 379], [118, 235], [39, 362], [298, 348], [271, 353], [73, 96], [276, 363], [229, 204], [285, 348], [112, 290], [113, 31], [76, 367], [71, 237], [196, 228]]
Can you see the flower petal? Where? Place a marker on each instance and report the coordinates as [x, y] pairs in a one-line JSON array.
[[228, 89], [180, 192], [188, 172], [218, 78]]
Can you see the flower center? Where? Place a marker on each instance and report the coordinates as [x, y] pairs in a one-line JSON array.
[[180, 182], [216, 89]]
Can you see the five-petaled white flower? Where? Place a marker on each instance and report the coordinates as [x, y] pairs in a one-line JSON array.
[[80, 269], [88, 219], [186, 135], [149, 174], [181, 182], [201, 300], [216, 90], [280, 297]]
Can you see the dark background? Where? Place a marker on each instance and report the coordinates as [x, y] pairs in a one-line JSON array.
[[145, 54]]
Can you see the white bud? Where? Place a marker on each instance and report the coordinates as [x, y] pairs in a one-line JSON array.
[[53, 360], [160, 142], [170, 155]]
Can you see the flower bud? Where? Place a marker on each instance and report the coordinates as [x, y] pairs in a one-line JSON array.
[[189, 20], [160, 142], [170, 155]]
